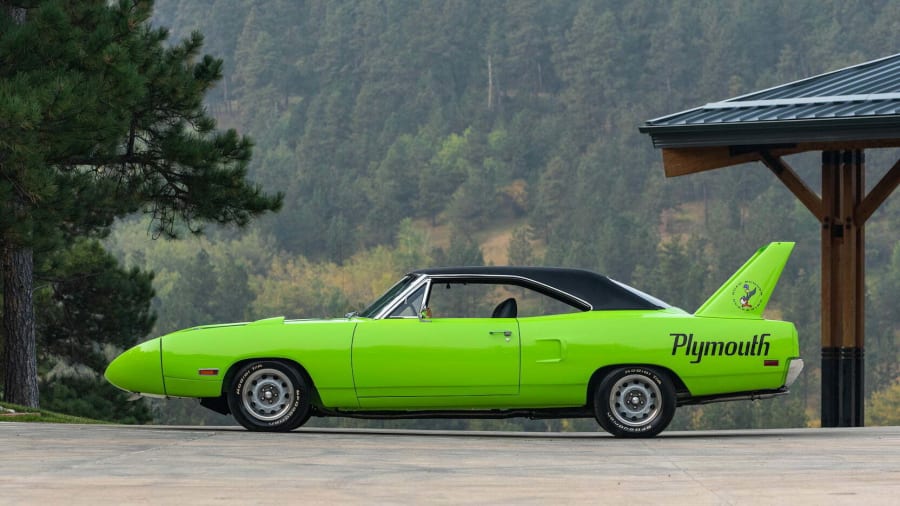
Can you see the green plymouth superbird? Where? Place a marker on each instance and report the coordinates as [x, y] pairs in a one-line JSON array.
[[487, 342]]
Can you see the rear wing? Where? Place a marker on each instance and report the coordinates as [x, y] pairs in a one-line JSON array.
[[748, 290]]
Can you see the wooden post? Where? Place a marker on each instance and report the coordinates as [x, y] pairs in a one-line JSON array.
[[843, 275]]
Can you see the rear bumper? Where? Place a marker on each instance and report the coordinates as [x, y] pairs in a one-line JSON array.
[[794, 370]]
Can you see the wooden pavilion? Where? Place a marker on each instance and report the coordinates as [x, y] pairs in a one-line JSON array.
[[841, 114]]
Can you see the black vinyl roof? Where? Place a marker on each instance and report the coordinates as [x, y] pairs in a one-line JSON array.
[[856, 103], [598, 291]]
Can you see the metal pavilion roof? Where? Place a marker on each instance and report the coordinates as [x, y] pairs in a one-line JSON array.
[[854, 103]]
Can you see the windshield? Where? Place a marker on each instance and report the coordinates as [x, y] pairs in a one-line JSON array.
[[388, 296]]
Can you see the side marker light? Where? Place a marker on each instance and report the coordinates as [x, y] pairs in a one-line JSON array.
[[208, 372]]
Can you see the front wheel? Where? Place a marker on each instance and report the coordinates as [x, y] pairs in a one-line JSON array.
[[634, 402], [269, 396]]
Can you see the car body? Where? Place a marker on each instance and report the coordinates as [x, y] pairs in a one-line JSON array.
[[487, 342]]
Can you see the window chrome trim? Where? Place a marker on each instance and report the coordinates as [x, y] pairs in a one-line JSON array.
[[389, 307], [525, 282]]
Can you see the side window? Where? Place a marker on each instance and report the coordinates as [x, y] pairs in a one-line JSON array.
[[463, 299], [411, 306], [477, 298], [534, 303]]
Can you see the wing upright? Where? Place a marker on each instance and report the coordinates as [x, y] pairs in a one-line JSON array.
[[748, 290]]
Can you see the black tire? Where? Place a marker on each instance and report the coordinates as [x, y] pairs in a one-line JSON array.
[[649, 407], [271, 396]]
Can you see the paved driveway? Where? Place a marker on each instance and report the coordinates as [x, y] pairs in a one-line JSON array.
[[85, 464]]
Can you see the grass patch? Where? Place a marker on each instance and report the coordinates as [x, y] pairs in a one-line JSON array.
[[24, 414]]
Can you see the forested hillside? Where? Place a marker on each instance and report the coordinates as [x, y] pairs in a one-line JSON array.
[[407, 134]]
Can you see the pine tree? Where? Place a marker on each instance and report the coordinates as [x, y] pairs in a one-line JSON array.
[[100, 119], [520, 250], [87, 307]]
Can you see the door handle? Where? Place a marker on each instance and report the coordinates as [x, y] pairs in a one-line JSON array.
[[506, 333]]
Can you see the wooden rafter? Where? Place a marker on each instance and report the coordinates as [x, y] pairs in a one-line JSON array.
[[879, 193], [786, 174]]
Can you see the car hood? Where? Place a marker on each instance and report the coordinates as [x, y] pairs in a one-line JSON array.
[[277, 320]]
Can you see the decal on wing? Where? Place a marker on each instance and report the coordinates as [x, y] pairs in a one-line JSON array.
[[748, 290]]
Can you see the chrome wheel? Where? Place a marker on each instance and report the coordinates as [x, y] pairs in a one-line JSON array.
[[635, 400], [267, 394]]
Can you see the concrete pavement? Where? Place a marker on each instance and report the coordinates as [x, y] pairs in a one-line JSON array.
[[87, 464]]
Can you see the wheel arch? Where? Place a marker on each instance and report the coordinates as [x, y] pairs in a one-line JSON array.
[[680, 388], [235, 367]]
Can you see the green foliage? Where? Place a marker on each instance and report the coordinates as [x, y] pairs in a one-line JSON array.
[[443, 175], [103, 119], [64, 76], [92, 397], [884, 406], [759, 414], [464, 250], [679, 275], [520, 249], [883, 326], [87, 300]]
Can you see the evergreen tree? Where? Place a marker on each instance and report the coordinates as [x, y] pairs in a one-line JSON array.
[[102, 119], [474, 201], [589, 69], [463, 251], [443, 174], [86, 306], [520, 251], [395, 186], [86, 301]]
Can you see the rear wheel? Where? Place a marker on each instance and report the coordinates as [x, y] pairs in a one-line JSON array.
[[269, 396], [634, 402]]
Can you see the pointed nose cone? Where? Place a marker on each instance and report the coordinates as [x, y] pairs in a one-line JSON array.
[[139, 369]]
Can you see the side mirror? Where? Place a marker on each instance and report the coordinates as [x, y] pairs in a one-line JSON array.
[[425, 315]]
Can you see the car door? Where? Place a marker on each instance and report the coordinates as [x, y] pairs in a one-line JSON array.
[[451, 355]]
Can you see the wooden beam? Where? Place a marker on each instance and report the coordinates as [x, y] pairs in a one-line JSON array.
[[786, 174], [848, 145], [683, 161], [831, 228], [851, 190], [878, 194]]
